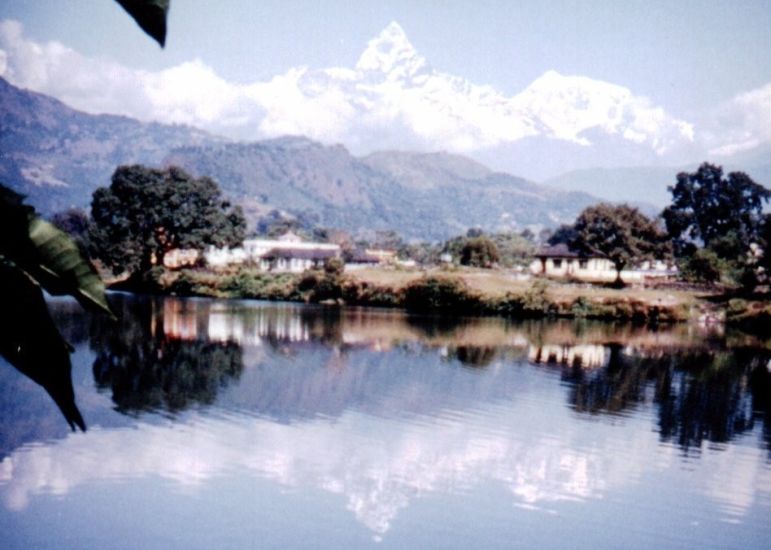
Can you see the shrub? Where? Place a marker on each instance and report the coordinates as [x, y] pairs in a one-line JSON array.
[[703, 266], [439, 294]]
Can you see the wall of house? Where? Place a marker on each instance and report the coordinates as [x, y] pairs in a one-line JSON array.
[[253, 250], [599, 269], [590, 269]]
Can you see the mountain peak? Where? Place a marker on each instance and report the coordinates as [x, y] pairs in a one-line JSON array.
[[391, 52]]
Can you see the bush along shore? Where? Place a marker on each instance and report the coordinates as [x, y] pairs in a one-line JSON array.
[[444, 293]]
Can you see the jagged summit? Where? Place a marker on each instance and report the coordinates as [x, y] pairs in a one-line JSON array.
[[391, 52]]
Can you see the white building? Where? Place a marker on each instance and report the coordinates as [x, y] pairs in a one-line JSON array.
[[562, 262], [288, 253]]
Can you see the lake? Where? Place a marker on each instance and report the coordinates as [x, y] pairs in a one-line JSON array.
[[244, 424]]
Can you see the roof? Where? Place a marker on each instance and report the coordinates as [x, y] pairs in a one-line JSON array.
[[290, 237], [364, 257], [307, 254], [561, 250]]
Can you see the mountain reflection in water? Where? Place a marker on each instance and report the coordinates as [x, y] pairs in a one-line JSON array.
[[383, 408]]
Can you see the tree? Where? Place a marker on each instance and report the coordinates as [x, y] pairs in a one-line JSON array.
[[620, 233], [564, 234], [76, 223], [479, 252], [513, 249], [765, 243], [147, 212], [703, 266], [721, 213]]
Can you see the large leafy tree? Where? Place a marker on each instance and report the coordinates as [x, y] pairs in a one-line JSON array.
[[146, 212], [479, 252], [722, 213], [620, 233]]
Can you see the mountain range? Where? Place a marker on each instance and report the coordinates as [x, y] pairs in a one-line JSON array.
[[393, 98], [57, 156]]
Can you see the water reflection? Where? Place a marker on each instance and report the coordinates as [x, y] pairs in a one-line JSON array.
[[155, 359], [173, 353], [383, 409]]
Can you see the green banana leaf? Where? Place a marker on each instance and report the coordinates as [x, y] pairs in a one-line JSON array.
[[150, 15], [62, 269]]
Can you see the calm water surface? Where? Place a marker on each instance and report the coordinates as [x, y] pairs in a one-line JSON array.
[[248, 424]]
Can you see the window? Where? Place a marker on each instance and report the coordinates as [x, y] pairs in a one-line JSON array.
[[557, 264], [583, 264]]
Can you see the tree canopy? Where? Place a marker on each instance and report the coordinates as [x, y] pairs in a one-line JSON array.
[[721, 212], [621, 233], [479, 251], [146, 212]]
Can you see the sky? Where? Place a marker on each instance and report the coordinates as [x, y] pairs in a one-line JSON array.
[[697, 61]]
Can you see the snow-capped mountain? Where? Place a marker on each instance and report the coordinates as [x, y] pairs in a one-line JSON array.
[[393, 91], [393, 98]]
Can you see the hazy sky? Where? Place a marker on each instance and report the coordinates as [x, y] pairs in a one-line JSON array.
[[684, 55], [605, 82]]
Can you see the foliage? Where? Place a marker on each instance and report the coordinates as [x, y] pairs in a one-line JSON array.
[[765, 243], [564, 234], [146, 212], [620, 233], [439, 294], [703, 266], [422, 253], [76, 223], [479, 252], [277, 223], [723, 213], [35, 254]]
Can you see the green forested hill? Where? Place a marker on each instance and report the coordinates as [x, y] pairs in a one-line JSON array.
[[57, 156]]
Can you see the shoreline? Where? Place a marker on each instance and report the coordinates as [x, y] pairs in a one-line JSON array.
[[468, 292], [475, 292]]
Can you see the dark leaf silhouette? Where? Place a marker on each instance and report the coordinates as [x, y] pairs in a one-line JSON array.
[[150, 15], [30, 341]]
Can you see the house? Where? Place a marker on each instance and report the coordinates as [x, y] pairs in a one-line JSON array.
[[370, 257], [293, 260], [180, 257], [563, 262], [274, 254], [360, 259]]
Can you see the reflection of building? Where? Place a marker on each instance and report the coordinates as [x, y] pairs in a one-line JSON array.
[[272, 324], [584, 355], [180, 319], [192, 320], [561, 261]]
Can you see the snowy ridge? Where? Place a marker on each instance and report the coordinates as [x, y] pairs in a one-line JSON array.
[[393, 86], [392, 98]]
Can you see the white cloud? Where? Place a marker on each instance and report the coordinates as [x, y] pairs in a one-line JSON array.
[[742, 123], [392, 98]]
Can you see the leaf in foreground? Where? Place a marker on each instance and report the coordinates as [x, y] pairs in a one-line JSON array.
[[30, 341], [62, 269], [150, 15]]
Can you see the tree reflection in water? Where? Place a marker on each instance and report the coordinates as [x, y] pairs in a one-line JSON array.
[[171, 354], [474, 356], [150, 369], [700, 396]]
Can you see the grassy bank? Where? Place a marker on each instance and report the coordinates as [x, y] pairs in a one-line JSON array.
[[481, 292]]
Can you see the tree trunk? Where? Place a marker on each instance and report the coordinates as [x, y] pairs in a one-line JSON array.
[[619, 282]]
